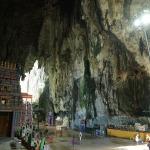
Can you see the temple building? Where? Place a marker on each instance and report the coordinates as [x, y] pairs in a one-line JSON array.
[[13, 112]]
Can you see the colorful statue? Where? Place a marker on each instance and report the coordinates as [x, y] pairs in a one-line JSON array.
[[50, 118]]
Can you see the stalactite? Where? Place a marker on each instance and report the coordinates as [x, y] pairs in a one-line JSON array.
[[141, 46]]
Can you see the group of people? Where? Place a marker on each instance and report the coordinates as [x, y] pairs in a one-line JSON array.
[[138, 139], [36, 137], [80, 138]]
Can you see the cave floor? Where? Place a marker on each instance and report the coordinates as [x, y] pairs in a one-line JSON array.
[[88, 143]]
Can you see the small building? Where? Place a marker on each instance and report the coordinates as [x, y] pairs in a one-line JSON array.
[[11, 103]]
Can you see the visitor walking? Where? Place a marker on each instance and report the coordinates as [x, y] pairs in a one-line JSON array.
[[46, 132], [46, 147], [147, 138], [38, 136], [148, 144], [35, 145], [73, 141], [137, 139], [80, 136], [50, 139]]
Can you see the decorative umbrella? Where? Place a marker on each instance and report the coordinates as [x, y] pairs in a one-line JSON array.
[[30, 139], [21, 133], [42, 143]]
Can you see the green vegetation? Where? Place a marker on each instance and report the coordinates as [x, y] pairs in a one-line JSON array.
[[95, 48]]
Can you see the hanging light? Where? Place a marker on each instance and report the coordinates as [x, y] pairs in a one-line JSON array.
[[142, 19], [145, 18], [137, 22]]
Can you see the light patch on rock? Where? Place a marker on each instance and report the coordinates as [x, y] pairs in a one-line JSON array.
[[100, 107], [65, 121], [80, 112]]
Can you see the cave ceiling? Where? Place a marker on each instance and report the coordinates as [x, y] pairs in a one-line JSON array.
[[96, 61]]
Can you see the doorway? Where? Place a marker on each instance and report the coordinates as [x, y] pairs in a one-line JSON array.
[[5, 123]]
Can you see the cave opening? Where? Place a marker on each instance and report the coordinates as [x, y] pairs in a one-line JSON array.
[[92, 63]]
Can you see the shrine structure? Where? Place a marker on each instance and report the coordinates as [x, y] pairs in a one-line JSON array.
[[50, 118], [11, 104]]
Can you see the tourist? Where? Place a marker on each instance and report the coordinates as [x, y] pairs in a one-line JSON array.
[[147, 138], [148, 144], [46, 132], [73, 141], [35, 145], [96, 132], [46, 147], [33, 133], [138, 139], [38, 137], [50, 139], [80, 136], [41, 134]]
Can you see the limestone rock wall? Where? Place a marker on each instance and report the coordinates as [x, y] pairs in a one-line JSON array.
[[96, 61]]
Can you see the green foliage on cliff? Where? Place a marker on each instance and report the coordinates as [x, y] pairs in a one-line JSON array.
[[82, 97], [95, 48]]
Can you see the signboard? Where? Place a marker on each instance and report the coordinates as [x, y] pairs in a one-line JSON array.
[[58, 127]]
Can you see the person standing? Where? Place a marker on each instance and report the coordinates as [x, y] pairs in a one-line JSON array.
[[73, 141], [50, 139], [35, 145], [46, 132], [137, 139], [147, 138], [46, 147], [148, 144], [39, 137], [80, 136]]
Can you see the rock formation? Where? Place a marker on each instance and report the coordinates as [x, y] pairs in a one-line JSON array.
[[95, 60]]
